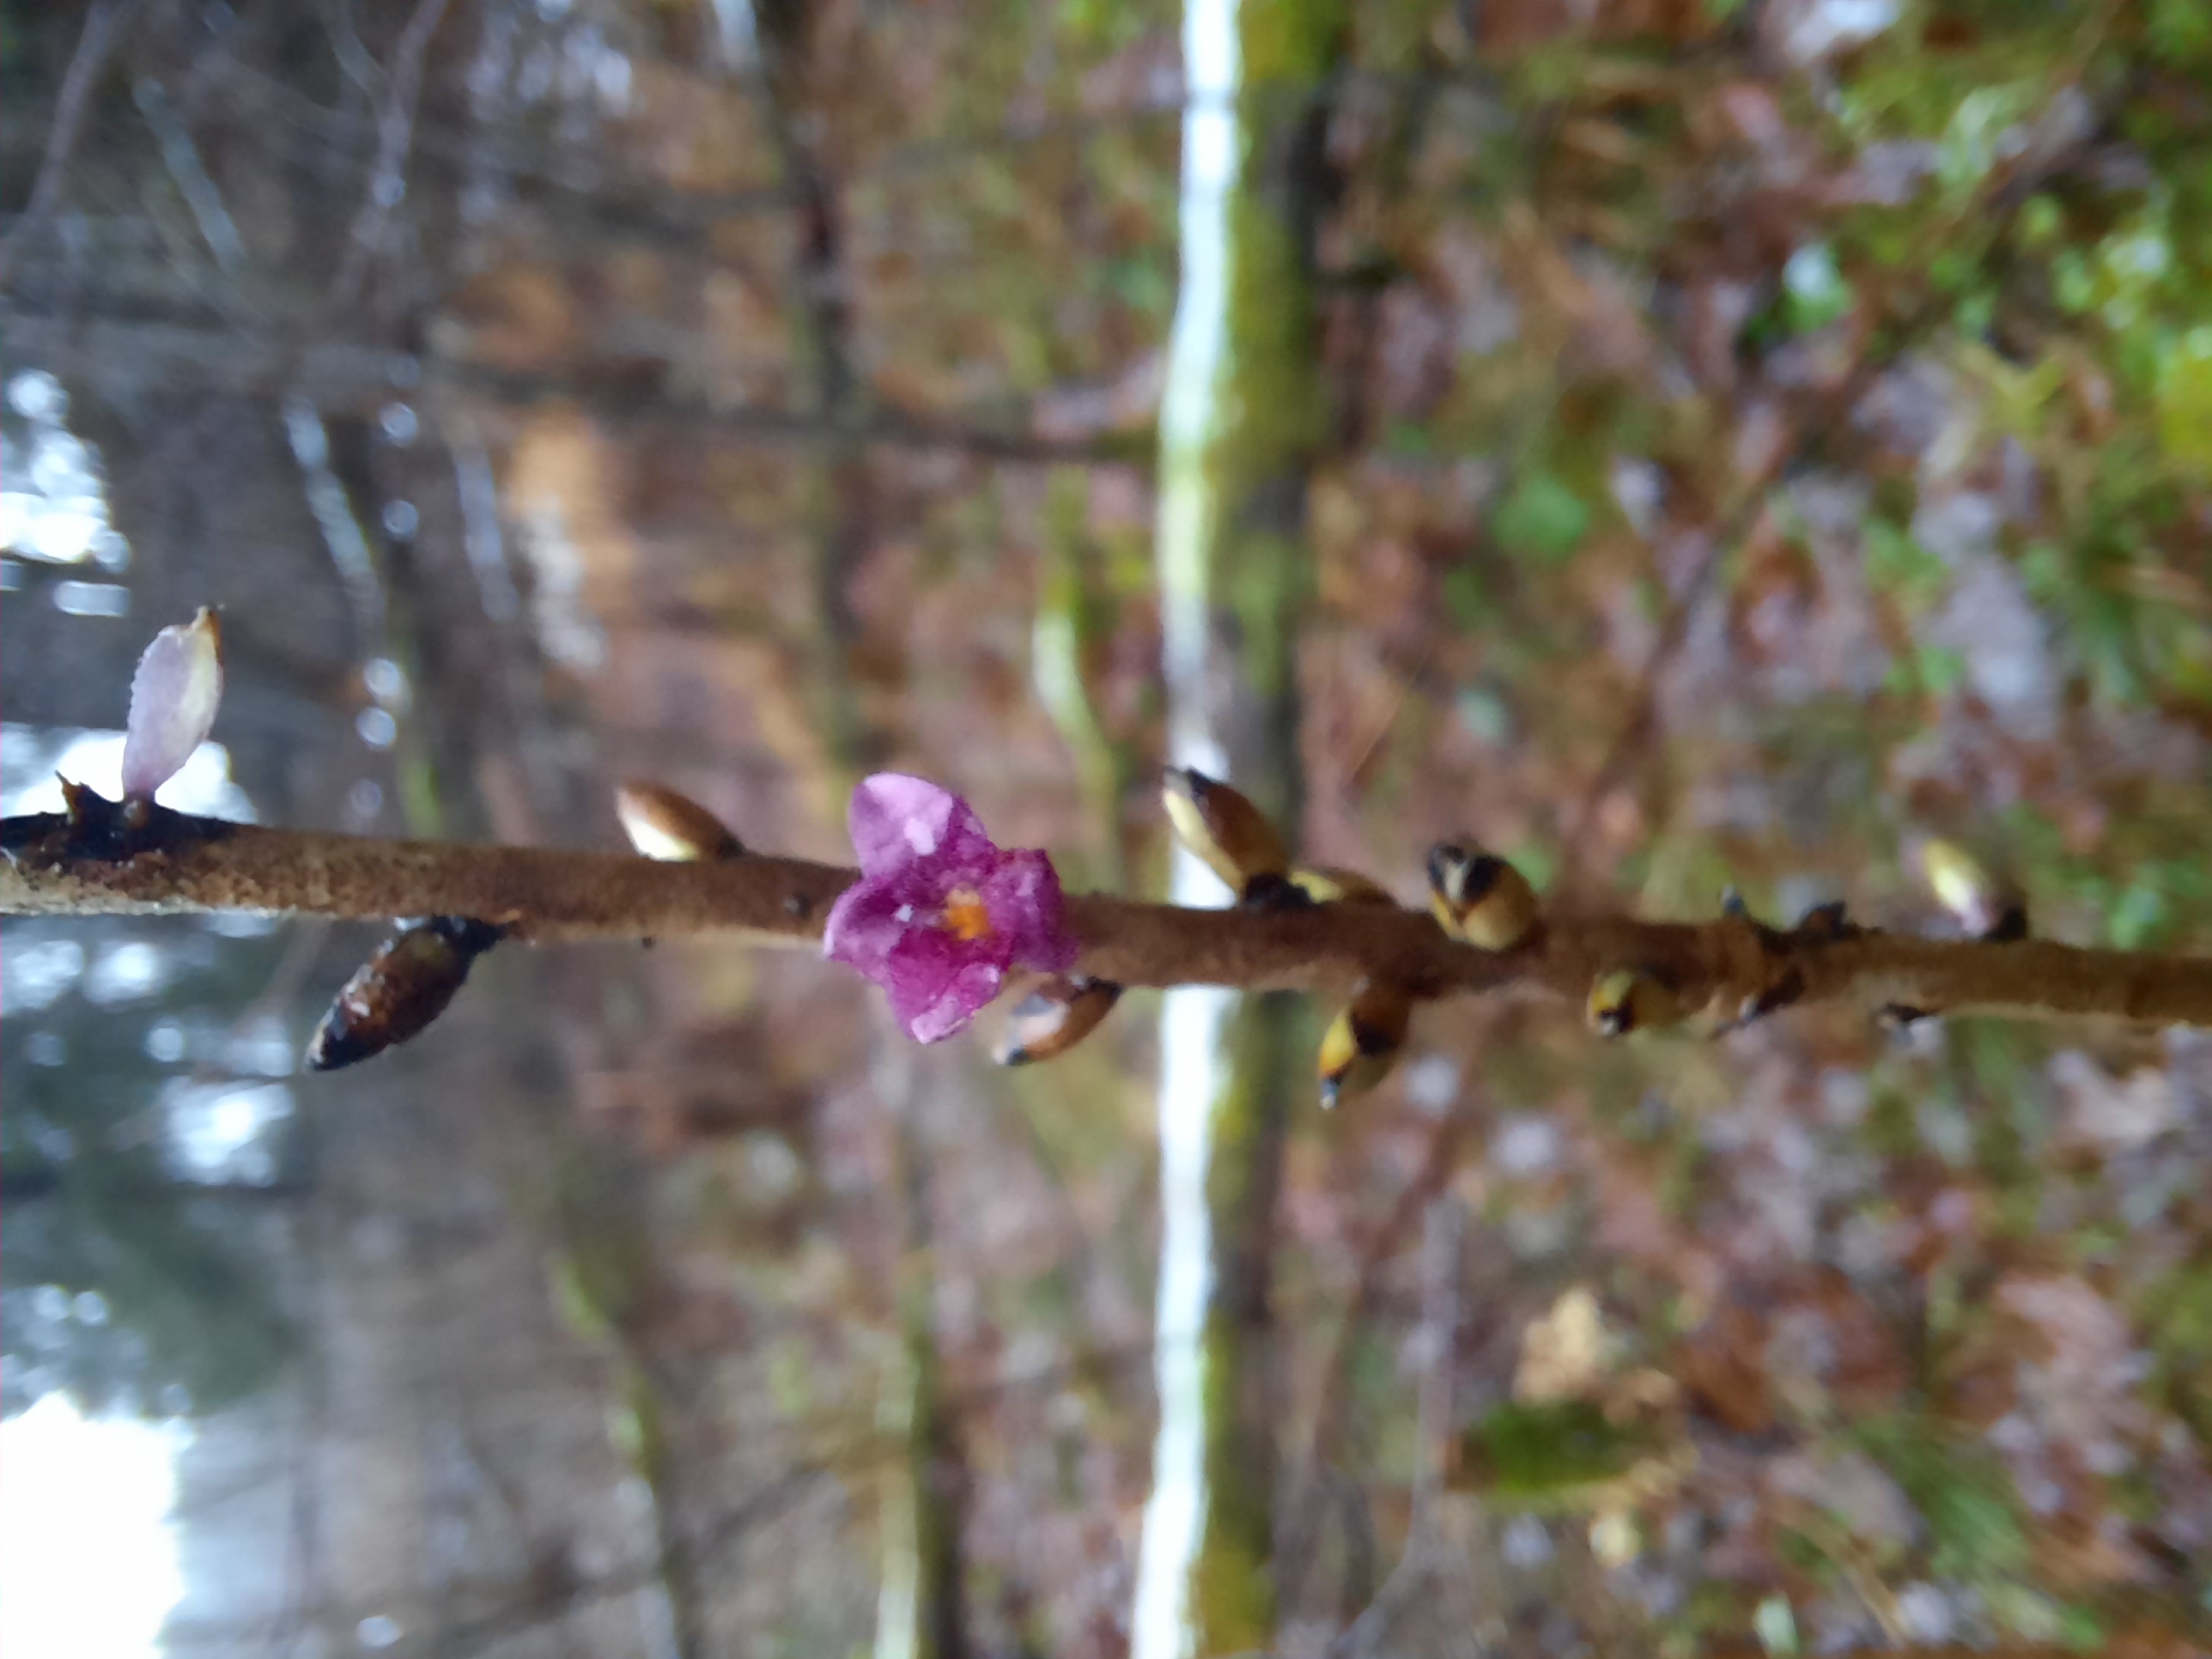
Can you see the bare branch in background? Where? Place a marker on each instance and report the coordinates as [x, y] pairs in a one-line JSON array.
[[1441, 1229], [395, 135], [361, 378], [103, 26]]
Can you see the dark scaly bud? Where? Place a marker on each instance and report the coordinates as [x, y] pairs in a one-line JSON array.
[[401, 989], [1325, 884], [1830, 920], [1480, 898], [1232, 835], [1758, 1006], [96, 827], [1363, 1041], [662, 823], [1055, 1017], [1629, 1000], [90, 812], [1911, 1029]]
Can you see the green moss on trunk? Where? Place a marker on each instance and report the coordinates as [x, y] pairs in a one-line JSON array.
[[1257, 465]]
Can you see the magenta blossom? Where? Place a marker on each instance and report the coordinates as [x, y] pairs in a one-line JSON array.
[[940, 914]]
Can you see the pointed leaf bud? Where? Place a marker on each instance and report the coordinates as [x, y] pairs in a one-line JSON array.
[[664, 824], [173, 697], [1363, 1041], [1055, 1017], [1326, 883], [1983, 902], [1627, 1000], [1478, 896], [1232, 835]]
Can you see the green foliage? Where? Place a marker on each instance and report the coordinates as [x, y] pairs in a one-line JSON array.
[[2180, 31], [1975, 1526], [125, 1293], [1542, 519], [1776, 1625], [1973, 139], [123, 1281], [2177, 1318], [1103, 27], [1815, 291], [1466, 599], [1897, 564], [1267, 1047], [2144, 886], [1551, 1456], [2184, 397]]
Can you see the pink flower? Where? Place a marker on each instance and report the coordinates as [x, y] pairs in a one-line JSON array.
[[940, 914], [173, 697]]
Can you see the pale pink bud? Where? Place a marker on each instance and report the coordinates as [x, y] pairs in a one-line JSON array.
[[174, 697]]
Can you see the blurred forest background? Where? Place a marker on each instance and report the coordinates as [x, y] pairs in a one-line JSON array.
[[1726, 441]]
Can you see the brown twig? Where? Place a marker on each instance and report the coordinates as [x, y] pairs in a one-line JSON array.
[[545, 895]]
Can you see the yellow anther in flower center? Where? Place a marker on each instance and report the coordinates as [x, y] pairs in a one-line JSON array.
[[966, 916]]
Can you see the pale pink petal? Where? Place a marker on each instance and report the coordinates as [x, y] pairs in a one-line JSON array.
[[919, 845], [173, 697], [896, 819], [935, 997], [1024, 897], [937, 983], [864, 927]]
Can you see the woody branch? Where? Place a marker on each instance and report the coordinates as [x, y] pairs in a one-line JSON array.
[[545, 895]]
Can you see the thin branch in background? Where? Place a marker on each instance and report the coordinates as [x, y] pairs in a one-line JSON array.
[[1407, 685], [488, 1631], [1302, 1538], [1443, 1225], [640, 203], [1990, 210], [822, 328], [478, 492], [333, 514], [395, 137], [193, 181], [277, 996], [1434, 1567], [843, 1455], [103, 27], [355, 61], [351, 376], [1636, 730]]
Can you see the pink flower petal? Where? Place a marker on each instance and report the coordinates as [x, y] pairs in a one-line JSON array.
[[174, 698], [936, 993], [1024, 897], [896, 819], [864, 927], [909, 922]]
